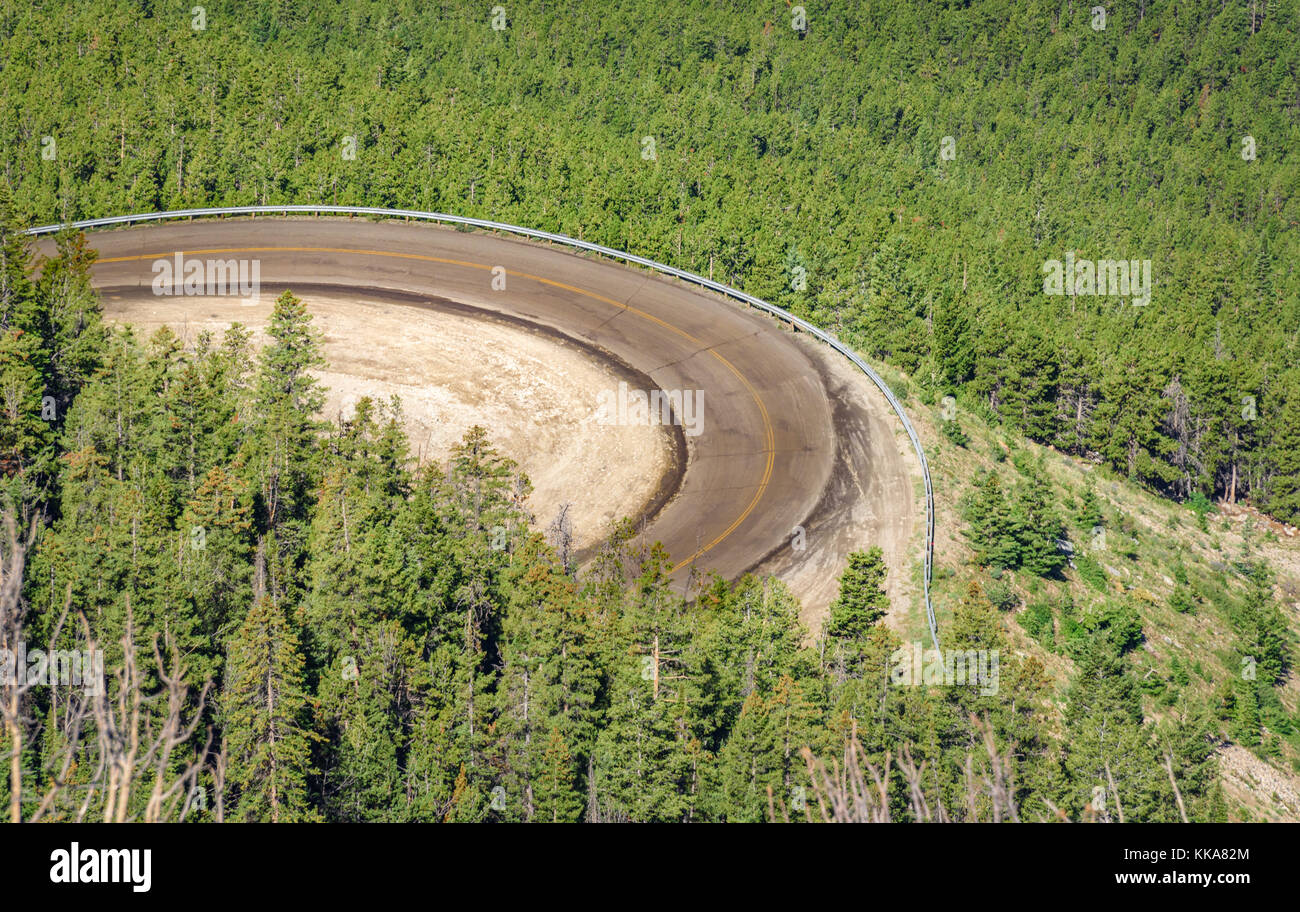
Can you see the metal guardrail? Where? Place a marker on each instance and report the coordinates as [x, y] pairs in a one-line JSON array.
[[779, 313]]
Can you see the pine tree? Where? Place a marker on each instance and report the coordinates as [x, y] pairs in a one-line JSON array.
[[214, 552], [26, 439], [748, 765], [556, 799], [952, 343], [549, 680], [367, 705], [19, 307], [754, 638], [1038, 528], [481, 481], [70, 325], [862, 600], [1187, 744], [649, 757], [1263, 646], [992, 527], [266, 711], [284, 444], [1109, 759], [1245, 717], [1089, 516], [38, 377], [1283, 497]]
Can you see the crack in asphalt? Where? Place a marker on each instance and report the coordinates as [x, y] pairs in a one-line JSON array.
[[627, 302], [701, 351]]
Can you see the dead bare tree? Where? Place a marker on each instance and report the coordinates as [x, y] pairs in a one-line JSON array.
[[132, 738], [12, 611], [1178, 793], [105, 741], [855, 790], [843, 793], [136, 736], [560, 536]]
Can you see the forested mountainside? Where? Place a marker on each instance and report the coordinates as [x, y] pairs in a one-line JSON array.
[[899, 173], [301, 623]]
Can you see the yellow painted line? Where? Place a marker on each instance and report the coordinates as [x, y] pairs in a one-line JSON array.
[[769, 442]]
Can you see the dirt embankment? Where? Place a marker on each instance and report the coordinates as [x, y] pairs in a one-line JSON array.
[[452, 368]]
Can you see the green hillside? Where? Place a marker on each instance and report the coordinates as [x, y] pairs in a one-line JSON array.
[[1114, 475], [727, 142]]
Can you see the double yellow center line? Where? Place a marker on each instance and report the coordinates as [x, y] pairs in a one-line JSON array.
[[769, 441]]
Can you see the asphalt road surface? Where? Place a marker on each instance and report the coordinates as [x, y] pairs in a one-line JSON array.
[[769, 438]]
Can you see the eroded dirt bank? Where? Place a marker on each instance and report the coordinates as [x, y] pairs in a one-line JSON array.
[[453, 367]]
